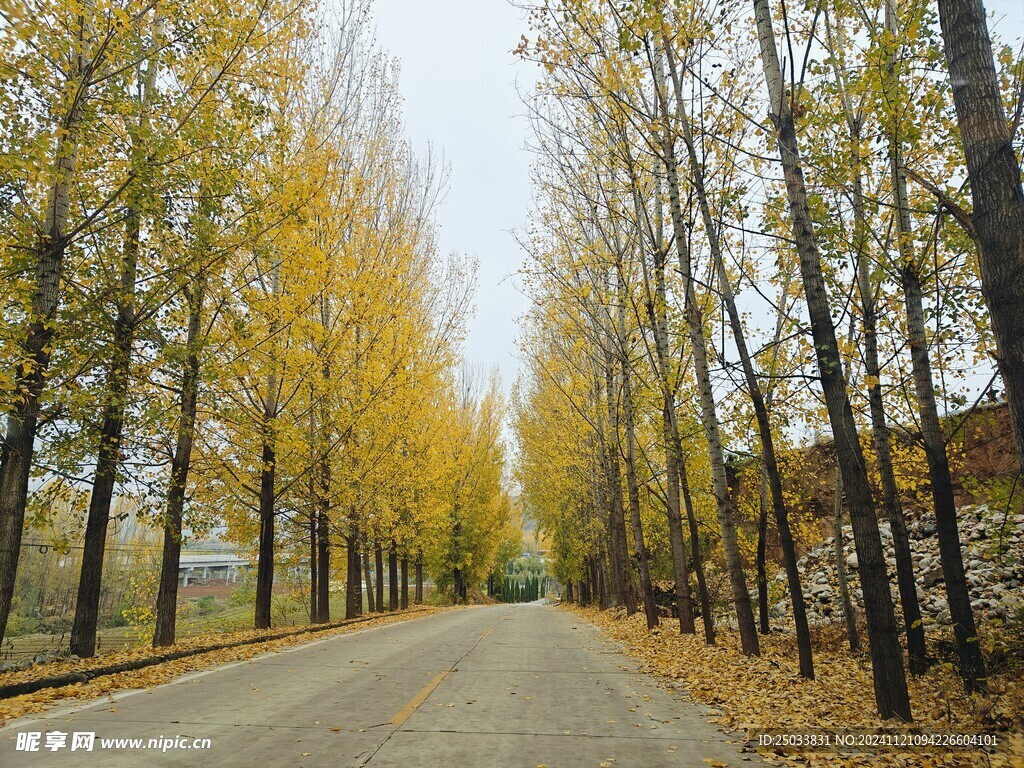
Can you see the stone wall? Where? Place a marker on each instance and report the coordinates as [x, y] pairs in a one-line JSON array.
[[992, 542]]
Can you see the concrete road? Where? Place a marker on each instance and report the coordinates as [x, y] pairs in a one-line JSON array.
[[524, 685]]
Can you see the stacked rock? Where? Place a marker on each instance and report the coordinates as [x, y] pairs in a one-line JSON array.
[[992, 543]]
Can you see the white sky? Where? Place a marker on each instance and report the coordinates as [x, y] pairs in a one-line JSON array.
[[458, 80]]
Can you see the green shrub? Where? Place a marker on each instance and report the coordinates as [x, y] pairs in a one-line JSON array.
[[244, 594], [204, 606]]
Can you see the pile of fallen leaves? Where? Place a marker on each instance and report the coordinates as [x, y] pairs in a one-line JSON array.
[[767, 693], [158, 674]]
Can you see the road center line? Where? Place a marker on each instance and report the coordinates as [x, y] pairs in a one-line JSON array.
[[414, 703]]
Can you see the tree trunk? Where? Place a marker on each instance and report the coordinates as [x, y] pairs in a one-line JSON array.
[[323, 499], [633, 491], [313, 515], [392, 579], [83, 632], [620, 593], [762, 547], [709, 418], [419, 579], [405, 583], [378, 564], [890, 683], [353, 574], [913, 624], [30, 374], [912, 620], [655, 306], [323, 537], [265, 563], [323, 565], [994, 172], [675, 460], [683, 595], [639, 548], [972, 662], [707, 617], [849, 611], [457, 585], [371, 603], [764, 430], [167, 595], [108, 453], [313, 592]]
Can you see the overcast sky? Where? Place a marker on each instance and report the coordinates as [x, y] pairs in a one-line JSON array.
[[458, 79]]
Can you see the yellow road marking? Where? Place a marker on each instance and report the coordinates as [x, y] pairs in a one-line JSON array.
[[414, 703]]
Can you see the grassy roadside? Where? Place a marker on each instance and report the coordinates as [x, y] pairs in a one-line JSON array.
[[766, 692], [197, 617], [19, 706]]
